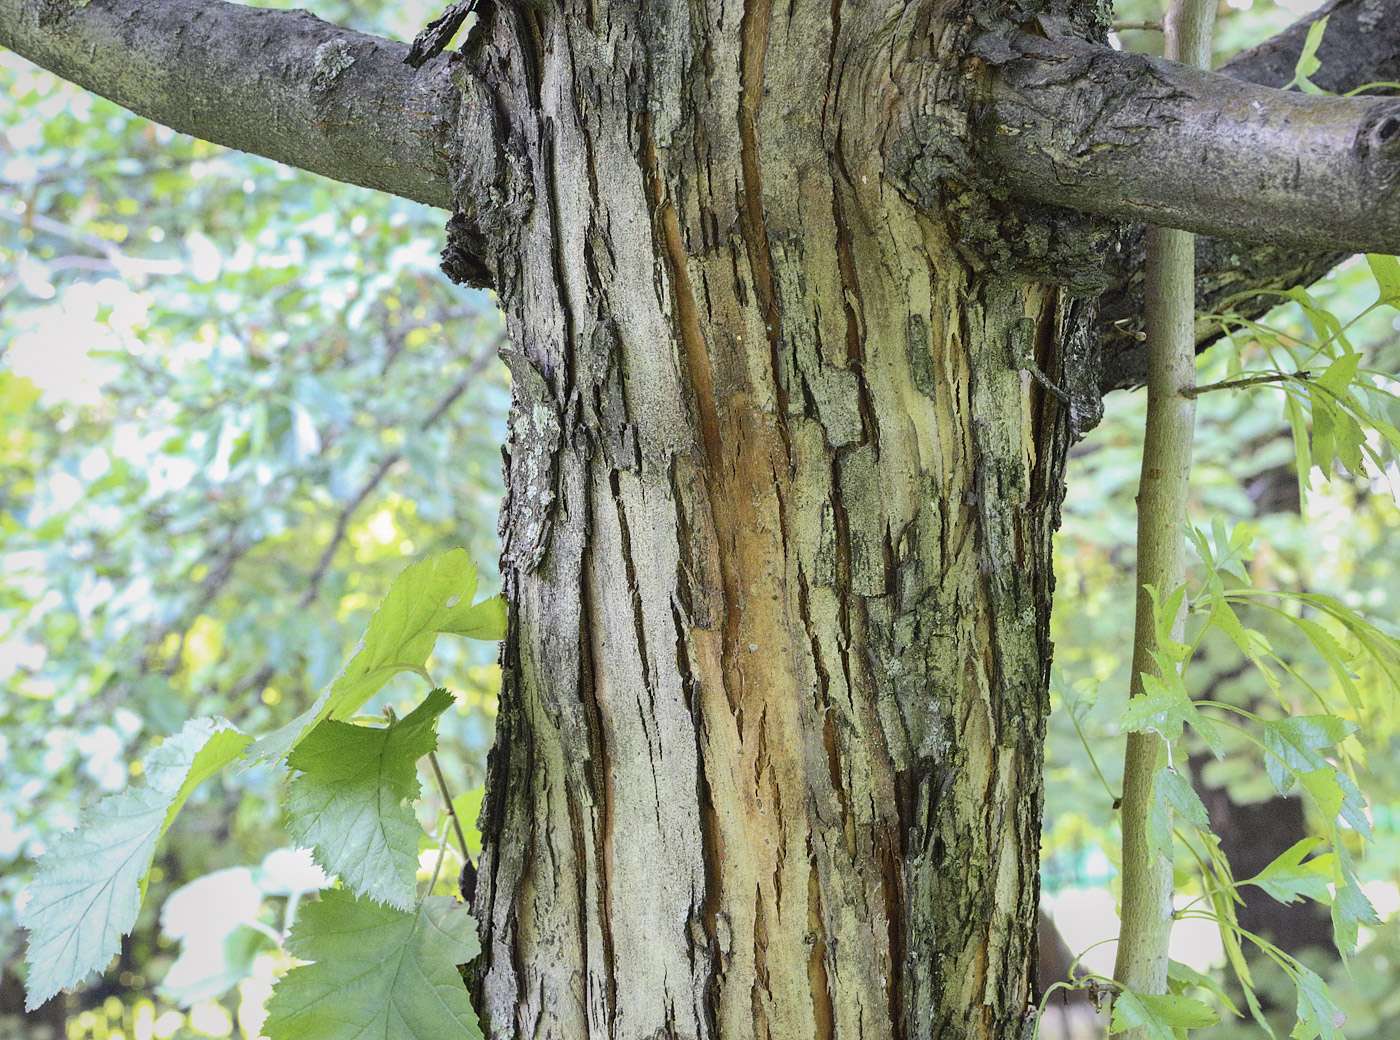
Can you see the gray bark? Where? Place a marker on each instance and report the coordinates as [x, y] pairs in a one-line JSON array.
[[1361, 46], [776, 546], [282, 84], [781, 491], [1138, 138]]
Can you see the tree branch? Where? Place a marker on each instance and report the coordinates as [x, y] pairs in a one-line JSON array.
[[1138, 138], [1358, 48], [281, 84]]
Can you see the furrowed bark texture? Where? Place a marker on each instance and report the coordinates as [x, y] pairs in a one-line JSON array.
[[777, 543]]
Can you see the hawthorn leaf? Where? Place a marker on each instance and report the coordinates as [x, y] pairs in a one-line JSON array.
[[377, 972], [1159, 1015], [91, 881], [427, 599], [1183, 797], [1288, 878], [349, 800], [1294, 742], [1386, 270], [1318, 1015], [1179, 976], [1350, 907]]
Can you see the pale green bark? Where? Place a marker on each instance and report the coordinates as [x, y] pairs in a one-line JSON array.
[[1161, 554]]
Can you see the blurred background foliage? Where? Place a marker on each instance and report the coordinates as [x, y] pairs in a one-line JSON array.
[[236, 399]]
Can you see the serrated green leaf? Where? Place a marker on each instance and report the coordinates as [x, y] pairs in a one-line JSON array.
[[1302, 451], [1340, 373], [377, 972], [428, 598], [1323, 449], [1179, 976], [1288, 878], [348, 800], [1158, 709], [1183, 798], [1294, 742], [1160, 1015], [1318, 1014], [1164, 615], [1350, 907], [91, 881]]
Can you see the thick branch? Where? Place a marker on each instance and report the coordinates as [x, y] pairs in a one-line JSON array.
[[1138, 138], [1358, 48], [282, 84]]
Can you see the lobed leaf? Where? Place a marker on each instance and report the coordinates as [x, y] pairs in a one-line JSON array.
[[1159, 1015], [91, 881], [428, 599], [349, 799], [377, 972]]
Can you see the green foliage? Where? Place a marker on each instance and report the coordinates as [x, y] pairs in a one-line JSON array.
[[377, 971], [430, 598], [1163, 1015], [91, 883], [1288, 877], [348, 802], [1295, 680]]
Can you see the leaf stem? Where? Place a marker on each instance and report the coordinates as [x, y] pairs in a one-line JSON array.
[[447, 800], [1245, 381]]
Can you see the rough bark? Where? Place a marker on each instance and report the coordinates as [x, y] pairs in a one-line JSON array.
[[1139, 138], [776, 545]]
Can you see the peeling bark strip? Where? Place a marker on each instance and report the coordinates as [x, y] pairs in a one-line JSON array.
[[776, 544], [1129, 136]]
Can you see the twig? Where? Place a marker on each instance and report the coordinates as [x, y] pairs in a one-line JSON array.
[[1138, 26], [1244, 381], [447, 800]]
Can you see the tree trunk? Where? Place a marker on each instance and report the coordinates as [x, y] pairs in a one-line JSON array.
[[776, 544]]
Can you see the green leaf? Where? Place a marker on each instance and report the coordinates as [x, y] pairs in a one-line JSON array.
[[91, 881], [1323, 438], [1179, 976], [1295, 740], [1178, 791], [1318, 1015], [1350, 907], [1302, 451], [378, 972], [1336, 795], [1159, 1015], [1340, 373], [1308, 63], [428, 598], [1164, 615], [349, 800], [1287, 878], [1386, 270], [467, 806]]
